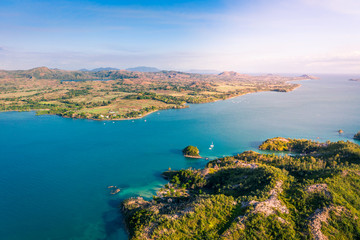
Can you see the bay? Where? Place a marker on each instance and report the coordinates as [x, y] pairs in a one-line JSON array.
[[54, 171]]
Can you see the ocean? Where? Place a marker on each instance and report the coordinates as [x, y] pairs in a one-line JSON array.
[[54, 171]]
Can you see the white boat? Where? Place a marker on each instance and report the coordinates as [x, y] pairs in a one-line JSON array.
[[212, 144]]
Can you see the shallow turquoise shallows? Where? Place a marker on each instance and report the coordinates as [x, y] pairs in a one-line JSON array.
[[54, 172]]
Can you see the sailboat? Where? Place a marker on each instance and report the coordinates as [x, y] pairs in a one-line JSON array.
[[211, 146]]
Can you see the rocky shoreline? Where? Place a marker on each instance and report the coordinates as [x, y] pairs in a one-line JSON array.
[[241, 196]]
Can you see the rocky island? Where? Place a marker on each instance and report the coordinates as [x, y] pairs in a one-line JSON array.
[[312, 195], [191, 152], [357, 136], [111, 94], [305, 76]]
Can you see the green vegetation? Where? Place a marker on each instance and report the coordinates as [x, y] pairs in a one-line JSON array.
[[191, 151], [311, 194], [294, 145], [357, 136], [119, 94]]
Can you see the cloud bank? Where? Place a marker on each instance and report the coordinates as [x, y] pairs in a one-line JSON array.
[[315, 36]]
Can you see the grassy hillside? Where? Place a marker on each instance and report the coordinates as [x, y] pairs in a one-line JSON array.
[[121, 94], [312, 195]]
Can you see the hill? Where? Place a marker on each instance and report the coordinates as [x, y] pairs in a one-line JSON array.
[[232, 74], [314, 195], [99, 69], [123, 94]]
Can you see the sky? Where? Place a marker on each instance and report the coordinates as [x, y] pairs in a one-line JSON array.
[[248, 36]]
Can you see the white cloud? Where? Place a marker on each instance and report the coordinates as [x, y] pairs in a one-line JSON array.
[[274, 36], [339, 6]]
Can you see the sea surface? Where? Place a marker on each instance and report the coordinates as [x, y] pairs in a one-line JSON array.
[[54, 172]]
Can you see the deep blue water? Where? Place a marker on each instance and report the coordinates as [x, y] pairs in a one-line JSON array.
[[54, 171]]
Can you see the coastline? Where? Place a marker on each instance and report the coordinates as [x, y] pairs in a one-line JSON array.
[[119, 119], [249, 181], [295, 86], [114, 130], [195, 157]]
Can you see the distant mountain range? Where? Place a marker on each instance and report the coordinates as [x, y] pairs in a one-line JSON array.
[[143, 69], [99, 69], [130, 73], [148, 69], [58, 74]]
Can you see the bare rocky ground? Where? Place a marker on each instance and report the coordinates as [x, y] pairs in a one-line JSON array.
[[319, 188], [270, 206], [319, 217]]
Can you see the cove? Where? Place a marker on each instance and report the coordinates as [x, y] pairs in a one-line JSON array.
[[54, 171]]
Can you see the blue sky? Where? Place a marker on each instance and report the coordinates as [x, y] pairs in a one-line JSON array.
[[302, 36]]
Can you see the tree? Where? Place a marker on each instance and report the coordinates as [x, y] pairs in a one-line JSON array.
[[191, 151]]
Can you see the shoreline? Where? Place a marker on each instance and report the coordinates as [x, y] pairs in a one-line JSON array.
[[248, 163], [146, 114], [194, 157], [119, 119]]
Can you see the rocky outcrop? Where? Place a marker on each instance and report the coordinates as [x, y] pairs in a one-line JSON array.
[[270, 206], [318, 218], [114, 190], [319, 188]]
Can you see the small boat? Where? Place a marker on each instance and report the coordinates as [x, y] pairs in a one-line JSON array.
[[212, 144], [210, 148]]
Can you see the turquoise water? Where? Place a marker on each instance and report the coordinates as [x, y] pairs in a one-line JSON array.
[[54, 171]]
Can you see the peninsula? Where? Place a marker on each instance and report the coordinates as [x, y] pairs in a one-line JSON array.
[[113, 94], [310, 194]]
